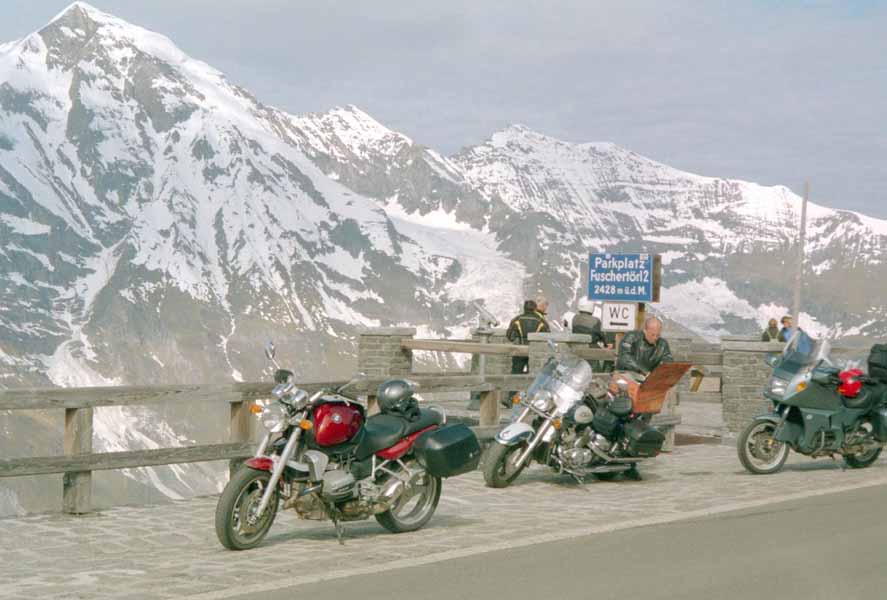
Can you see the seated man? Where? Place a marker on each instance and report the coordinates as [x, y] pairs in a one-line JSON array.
[[642, 351]]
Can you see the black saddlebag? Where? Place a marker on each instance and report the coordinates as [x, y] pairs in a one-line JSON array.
[[878, 362], [605, 423], [643, 440], [879, 423], [448, 451]]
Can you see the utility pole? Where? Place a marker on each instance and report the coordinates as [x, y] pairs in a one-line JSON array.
[[799, 276]]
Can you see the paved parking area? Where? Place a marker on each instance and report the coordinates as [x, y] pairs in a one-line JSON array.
[[170, 551]]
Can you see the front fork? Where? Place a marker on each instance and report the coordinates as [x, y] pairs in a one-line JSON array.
[[537, 439], [277, 471]]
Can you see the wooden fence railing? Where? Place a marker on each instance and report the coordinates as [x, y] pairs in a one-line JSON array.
[[78, 460]]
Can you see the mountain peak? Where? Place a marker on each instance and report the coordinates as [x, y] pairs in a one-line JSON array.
[[80, 9], [81, 29], [79, 16]]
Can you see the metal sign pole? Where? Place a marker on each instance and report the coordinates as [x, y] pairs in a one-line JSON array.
[[799, 275]]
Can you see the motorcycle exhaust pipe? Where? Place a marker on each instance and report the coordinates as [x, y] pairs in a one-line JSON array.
[[612, 459], [391, 493]]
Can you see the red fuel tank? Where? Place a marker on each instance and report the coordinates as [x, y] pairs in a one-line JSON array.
[[336, 423]]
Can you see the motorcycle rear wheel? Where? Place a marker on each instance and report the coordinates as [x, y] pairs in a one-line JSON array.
[[861, 461], [238, 502], [408, 516], [758, 452], [499, 469]]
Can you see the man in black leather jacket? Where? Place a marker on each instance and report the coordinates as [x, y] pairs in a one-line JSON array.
[[642, 351]]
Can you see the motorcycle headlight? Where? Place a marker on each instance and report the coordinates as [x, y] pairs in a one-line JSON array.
[[778, 386], [274, 418], [543, 401]]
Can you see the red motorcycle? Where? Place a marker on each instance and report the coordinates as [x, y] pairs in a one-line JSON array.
[[325, 459]]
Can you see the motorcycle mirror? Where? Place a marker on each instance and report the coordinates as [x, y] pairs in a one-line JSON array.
[[771, 360], [355, 379], [270, 350]]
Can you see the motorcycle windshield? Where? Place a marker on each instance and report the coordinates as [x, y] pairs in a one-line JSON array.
[[566, 378], [803, 352]]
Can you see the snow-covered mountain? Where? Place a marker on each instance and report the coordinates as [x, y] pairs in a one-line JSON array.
[[729, 247], [158, 224]]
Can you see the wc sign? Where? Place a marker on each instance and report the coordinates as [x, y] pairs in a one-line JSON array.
[[619, 316]]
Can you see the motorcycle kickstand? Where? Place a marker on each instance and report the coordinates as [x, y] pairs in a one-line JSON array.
[[340, 529]]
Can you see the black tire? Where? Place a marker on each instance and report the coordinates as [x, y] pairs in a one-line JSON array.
[[746, 455], [861, 461], [608, 476], [496, 474], [242, 494], [395, 521]]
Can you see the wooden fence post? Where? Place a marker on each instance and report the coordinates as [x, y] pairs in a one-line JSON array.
[[77, 486], [489, 408], [242, 422]]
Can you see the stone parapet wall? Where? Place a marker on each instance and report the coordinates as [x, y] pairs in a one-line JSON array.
[[744, 376], [379, 353]]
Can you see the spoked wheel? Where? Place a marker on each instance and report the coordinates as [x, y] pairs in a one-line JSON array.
[[415, 506], [759, 452], [499, 464], [863, 459], [236, 524]]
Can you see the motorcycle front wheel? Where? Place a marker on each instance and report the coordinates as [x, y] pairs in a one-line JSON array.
[[499, 467], [759, 453], [236, 525], [414, 508]]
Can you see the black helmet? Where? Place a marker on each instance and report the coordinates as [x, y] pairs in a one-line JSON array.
[[395, 396]]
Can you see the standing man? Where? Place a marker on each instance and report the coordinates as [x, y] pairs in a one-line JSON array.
[[772, 333], [642, 351], [586, 323], [788, 330], [532, 320]]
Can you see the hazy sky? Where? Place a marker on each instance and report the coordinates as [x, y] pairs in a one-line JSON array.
[[773, 92]]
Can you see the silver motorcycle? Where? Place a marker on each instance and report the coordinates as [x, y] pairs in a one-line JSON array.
[[567, 421]]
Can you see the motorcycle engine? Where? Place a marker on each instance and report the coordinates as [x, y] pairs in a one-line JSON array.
[[574, 452], [338, 485], [601, 443]]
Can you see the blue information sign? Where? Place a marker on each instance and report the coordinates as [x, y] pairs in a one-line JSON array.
[[620, 277]]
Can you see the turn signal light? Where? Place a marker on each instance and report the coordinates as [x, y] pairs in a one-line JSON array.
[[801, 386], [515, 399], [306, 424], [556, 423], [256, 409]]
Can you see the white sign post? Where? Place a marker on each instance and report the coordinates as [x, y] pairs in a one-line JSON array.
[[619, 316]]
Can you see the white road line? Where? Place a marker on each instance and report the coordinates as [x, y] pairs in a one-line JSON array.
[[285, 582]]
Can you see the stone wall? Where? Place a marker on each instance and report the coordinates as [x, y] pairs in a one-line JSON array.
[[379, 353], [744, 376]]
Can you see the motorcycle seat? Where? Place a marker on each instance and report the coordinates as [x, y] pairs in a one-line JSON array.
[[427, 418], [380, 432]]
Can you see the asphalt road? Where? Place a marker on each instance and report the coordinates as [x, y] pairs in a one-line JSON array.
[[832, 546]]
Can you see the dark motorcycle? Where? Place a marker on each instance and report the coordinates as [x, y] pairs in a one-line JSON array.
[[818, 410], [325, 459], [564, 422]]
